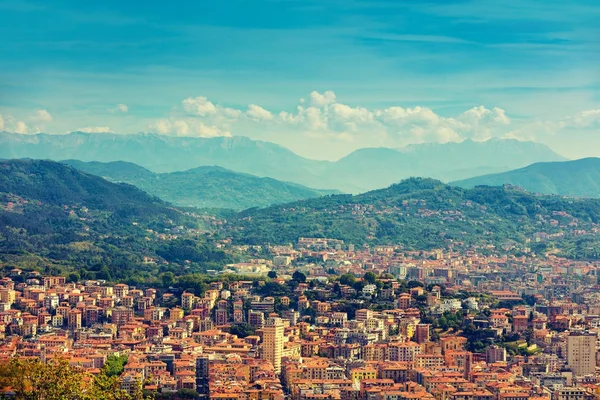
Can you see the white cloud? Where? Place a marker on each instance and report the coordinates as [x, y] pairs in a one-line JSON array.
[[199, 106], [480, 113], [119, 108], [319, 100], [188, 127], [42, 116], [314, 118], [21, 127], [258, 113], [1, 123], [582, 120], [162, 126], [230, 113], [95, 129]]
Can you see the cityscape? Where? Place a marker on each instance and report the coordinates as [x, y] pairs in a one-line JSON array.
[[323, 319]]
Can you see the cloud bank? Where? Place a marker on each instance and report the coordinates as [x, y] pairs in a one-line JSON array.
[[323, 126], [323, 116]]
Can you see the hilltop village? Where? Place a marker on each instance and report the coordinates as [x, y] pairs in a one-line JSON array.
[[323, 320]]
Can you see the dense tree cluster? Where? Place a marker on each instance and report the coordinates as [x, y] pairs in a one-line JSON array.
[[32, 379]]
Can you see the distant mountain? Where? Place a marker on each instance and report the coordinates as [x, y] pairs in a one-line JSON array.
[[422, 214], [203, 187], [162, 153], [380, 167], [362, 170], [55, 218], [579, 178]]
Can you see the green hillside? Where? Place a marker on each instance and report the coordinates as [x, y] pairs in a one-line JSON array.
[[579, 178], [202, 187], [57, 219], [424, 214]]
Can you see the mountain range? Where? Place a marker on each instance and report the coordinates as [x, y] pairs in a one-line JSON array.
[[202, 187], [362, 170], [57, 218], [578, 178]]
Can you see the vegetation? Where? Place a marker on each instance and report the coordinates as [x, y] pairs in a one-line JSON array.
[[579, 178], [115, 364], [426, 214], [57, 380], [242, 330], [203, 187], [58, 220]]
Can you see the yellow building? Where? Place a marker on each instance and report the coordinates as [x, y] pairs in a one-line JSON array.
[[359, 374]]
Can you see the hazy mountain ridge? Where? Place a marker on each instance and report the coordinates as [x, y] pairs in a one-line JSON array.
[[578, 178], [362, 170], [203, 187]]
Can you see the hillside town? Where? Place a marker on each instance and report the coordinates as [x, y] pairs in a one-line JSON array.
[[325, 320]]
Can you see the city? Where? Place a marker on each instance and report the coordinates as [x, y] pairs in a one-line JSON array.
[[352, 323]]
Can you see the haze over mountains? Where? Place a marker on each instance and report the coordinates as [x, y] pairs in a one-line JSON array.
[[362, 170], [203, 187], [579, 178]]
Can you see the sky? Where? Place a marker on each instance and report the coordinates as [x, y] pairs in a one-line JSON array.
[[321, 77]]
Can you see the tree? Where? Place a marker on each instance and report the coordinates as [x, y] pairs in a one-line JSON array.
[[73, 277], [347, 279], [115, 364], [370, 277], [299, 277], [274, 289], [31, 379], [167, 278], [272, 274], [57, 380], [187, 394], [242, 330]]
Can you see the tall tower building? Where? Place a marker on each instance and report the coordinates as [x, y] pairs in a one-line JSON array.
[[74, 320], [422, 333], [222, 313], [581, 354], [273, 331]]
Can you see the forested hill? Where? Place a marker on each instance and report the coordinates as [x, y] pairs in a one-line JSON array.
[[424, 213], [202, 187], [55, 217], [578, 178]]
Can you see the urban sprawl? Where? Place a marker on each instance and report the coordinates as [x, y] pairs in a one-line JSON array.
[[322, 320]]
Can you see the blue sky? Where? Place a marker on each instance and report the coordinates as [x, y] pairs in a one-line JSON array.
[[321, 77]]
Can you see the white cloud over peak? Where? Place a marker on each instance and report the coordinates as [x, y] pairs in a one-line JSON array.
[[119, 108], [21, 127], [186, 127], [42, 116], [95, 129], [323, 124], [10, 124], [324, 116]]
